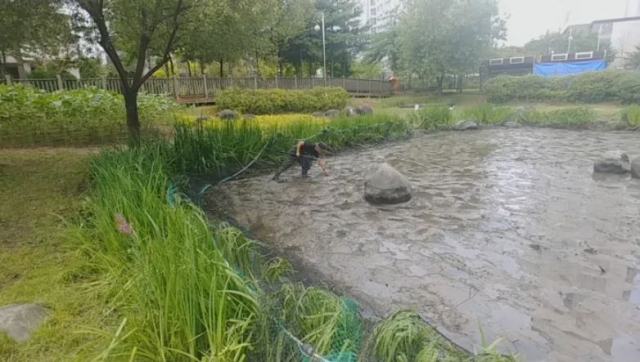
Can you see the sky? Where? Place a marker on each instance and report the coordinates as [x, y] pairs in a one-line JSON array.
[[529, 19]]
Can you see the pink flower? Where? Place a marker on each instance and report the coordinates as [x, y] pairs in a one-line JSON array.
[[123, 226]]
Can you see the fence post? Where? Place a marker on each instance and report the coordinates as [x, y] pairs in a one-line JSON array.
[[277, 81], [295, 81], [103, 80], [206, 89], [230, 81], [344, 82], [255, 82], [60, 83], [8, 78], [175, 87], [369, 81], [313, 82], [357, 85]]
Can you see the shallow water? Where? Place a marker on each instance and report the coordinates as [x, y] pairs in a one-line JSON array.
[[507, 229]]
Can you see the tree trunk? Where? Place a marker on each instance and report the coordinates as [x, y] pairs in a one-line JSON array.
[[440, 81], [133, 120], [166, 69], [173, 69], [221, 68], [202, 68], [3, 65], [257, 65], [189, 69]]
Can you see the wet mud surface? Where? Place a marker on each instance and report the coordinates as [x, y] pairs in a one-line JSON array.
[[507, 229]]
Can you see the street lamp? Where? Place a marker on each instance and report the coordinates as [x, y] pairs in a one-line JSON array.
[[324, 50]]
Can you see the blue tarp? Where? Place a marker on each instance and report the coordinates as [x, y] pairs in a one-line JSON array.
[[557, 69]]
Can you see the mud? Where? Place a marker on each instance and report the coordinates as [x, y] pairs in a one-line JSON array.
[[508, 230]]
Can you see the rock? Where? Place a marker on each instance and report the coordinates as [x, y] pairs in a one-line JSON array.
[[364, 109], [227, 114], [249, 116], [385, 185], [318, 114], [465, 125], [615, 162], [351, 112], [332, 113], [202, 119], [19, 320], [635, 168]]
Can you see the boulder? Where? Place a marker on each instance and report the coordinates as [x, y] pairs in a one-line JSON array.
[[465, 125], [19, 320], [615, 162], [318, 114], [385, 185], [635, 168], [351, 112], [227, 114], [364, 109], [332, 113]]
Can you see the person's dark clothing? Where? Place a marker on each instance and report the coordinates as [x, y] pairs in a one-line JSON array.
[[308, 149], [307, 154]]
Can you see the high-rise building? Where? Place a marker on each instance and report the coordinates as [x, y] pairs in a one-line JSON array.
[[377, 14]]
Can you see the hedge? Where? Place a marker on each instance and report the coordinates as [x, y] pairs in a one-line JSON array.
[[591, 87], [273, 101]]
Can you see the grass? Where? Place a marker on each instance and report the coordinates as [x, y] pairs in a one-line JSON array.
[[38, 188]]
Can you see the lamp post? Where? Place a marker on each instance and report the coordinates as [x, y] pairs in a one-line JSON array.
[[324, 50]]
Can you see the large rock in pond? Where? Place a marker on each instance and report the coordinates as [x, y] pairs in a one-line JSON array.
[[351, 112], [227, 114], [635, 168], [465, 125], [19, 320], [364, 109], [332, 113], [615, 162], [385, 185]]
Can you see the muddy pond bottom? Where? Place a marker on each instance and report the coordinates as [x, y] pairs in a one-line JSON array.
[[508, 235]]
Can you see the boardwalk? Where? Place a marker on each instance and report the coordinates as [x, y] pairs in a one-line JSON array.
[[199, 90]]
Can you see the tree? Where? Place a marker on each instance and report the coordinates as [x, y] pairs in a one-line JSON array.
[[141, 28], [30, 25], [344, 38], [437, 37], [385, 46], [289, 18], [223, 31], [634, 58]]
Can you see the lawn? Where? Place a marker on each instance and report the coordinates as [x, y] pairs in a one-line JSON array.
[[40, 189]]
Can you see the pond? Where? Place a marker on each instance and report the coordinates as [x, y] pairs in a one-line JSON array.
[[508, 235]]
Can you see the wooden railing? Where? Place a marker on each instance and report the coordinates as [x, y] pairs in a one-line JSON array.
[[204, 89]]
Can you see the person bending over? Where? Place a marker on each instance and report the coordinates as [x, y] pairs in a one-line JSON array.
[[304, 153]]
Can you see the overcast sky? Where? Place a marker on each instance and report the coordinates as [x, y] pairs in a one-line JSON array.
[[530, 18]]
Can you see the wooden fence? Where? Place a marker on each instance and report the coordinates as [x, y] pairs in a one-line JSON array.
[[204, 89]]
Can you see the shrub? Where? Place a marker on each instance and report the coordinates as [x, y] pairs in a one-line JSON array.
[[271, 101], [31, 117], [589, 87]]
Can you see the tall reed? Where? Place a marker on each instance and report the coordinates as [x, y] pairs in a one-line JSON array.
[[179, 297]]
